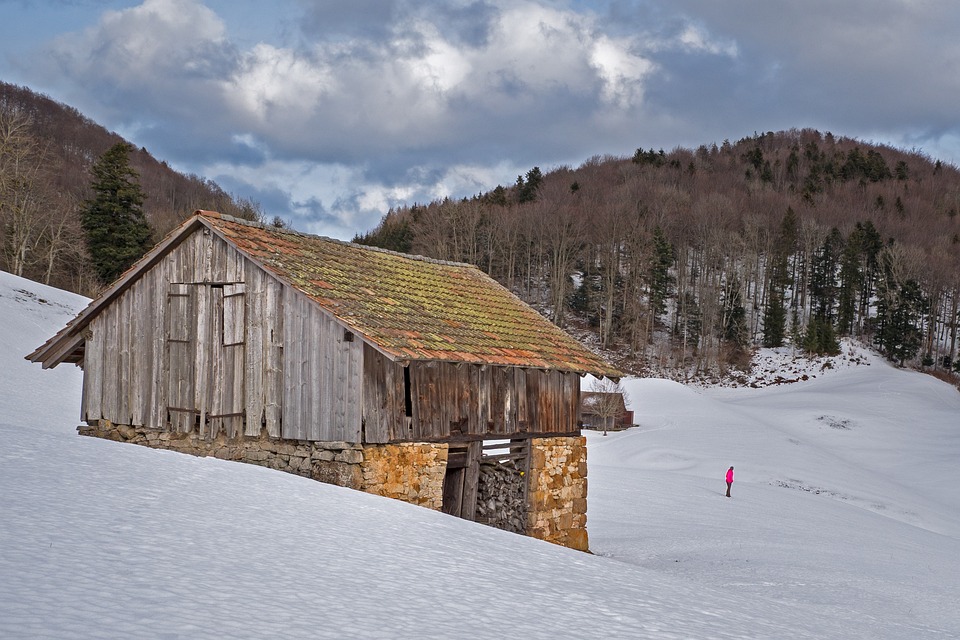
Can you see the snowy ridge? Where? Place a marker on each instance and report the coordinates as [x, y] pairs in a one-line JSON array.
[[784, 365], [844, 523]]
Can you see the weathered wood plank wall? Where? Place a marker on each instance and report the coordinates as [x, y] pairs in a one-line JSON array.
[[384, 405], [263, 369], [464, 402], [322, 369], [172, 350]]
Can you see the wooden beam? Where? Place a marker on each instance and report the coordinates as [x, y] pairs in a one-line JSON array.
[[471, 482], [526, 435]]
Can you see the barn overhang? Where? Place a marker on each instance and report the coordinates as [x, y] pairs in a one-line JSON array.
[[405, 361]]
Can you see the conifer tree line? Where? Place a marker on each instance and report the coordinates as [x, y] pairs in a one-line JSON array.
[[685, 261]]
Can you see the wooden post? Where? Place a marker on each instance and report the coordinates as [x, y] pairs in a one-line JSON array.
[[468, 509]]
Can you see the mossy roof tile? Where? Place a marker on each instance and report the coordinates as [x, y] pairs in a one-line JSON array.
[[411, 307]]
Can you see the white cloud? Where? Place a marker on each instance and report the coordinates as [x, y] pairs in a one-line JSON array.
[[338, 200], [419, 88], [622, 73], [696, 38], [158, 36], [274, 82], [299, 179], [443, 65]]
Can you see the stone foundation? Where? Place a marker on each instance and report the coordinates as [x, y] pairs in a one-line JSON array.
[[556, 509], [558, 491], [411, 472]]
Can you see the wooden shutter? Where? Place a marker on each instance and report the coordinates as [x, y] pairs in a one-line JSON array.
[[233, 314]]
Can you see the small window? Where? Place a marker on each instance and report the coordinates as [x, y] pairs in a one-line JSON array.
[[407, 395]]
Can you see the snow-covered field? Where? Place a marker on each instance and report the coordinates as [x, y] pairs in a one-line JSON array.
[[844, 523]]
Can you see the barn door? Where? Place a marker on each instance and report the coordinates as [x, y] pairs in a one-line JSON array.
[[225, 387], [205, 356], [181, 354], [460, 480]]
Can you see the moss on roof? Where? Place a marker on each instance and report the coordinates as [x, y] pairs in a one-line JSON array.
[[411, 307]]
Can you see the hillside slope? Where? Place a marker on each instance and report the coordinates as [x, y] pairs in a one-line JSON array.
[[118, 541]]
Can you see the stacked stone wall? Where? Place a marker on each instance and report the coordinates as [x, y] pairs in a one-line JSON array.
[[412, 472], [558, 491]]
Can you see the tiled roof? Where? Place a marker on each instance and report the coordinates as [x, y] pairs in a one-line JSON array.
[[410, 307]]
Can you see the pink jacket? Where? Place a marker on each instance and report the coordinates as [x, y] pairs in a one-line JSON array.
[[730, 474]]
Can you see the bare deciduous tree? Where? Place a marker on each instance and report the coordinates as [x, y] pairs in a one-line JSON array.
[[22, 193], [607, 401]]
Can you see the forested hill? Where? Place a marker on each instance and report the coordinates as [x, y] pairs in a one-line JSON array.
[[681, 262], [46, 153]]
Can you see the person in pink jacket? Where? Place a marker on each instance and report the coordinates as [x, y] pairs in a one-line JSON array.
[[729, 480]]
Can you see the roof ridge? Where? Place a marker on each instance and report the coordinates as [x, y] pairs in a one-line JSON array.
[[268, 227]]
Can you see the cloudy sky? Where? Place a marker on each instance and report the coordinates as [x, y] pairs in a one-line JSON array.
[[330, 112]]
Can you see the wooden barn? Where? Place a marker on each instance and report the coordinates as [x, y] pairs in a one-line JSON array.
[[604, 410], [399, 375]]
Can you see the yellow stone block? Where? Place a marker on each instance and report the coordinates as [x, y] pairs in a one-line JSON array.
[[577, 539]]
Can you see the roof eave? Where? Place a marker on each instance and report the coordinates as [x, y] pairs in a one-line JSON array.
[[598, 372]]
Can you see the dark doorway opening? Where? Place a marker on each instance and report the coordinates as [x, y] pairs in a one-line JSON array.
[[460, 481]]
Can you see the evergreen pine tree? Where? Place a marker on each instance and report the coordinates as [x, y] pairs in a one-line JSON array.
[[820, 336], [774, 320], [587, 295], [796, 329], [687, 326], [851, 277], [117, 231], [823, 277], [901, 305], [871, 245], [661, 283], [775, 314], [394, 233], [902, 171], [733, 318], [900, 310], [527, 190]]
